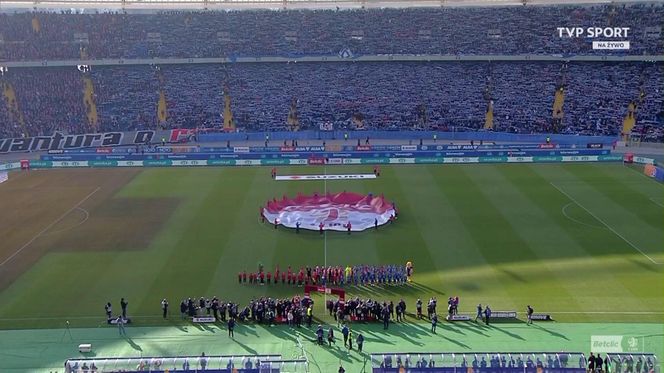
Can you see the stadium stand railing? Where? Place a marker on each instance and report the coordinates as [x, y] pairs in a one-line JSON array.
[[633, 363], [503, 362], [572, 362], [218, 364]]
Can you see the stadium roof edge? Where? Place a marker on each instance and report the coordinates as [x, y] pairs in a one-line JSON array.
[[225, 5]]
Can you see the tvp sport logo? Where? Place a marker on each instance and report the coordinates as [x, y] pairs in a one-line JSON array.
[[599, 33]]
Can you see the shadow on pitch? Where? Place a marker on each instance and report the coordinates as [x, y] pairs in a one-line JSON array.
[[475, 328], [456, 342], [245, 347], [341, 353], [425, 288], [643, 265], [181, 327], [133, 344], [512, 275], [406, 335], [246, 328], [513, 335], [555, 334]]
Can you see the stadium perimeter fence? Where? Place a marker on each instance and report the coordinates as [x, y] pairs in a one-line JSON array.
[[502, 362], [208, 364]]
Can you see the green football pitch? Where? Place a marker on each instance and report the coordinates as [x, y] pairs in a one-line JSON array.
[[583, 242]]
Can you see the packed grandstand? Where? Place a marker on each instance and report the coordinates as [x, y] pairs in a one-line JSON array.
[[457, 31], [382, 95], [599, 97]]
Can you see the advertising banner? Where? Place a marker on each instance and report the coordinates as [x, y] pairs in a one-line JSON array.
[[276, 162], [69, 164], [102, 163], [520, 159], [157, 162], [493, 159], [248, 162], [130, 163], [583, 158], [10, 166], [295, 155], [221, 162], [503, 315], [60, 141], [429, 160], [193, 162], [241, 149], [461, 160], [616, 343], [644, 160]]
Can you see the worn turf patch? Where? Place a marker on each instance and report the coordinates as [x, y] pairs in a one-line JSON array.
[[117, 224], [37, 207]]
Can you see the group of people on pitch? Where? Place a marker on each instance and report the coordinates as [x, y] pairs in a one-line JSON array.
[[108, 309], [357, 275], [347, 334]]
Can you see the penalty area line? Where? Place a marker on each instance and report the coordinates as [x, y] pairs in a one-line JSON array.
[[605, 224], [54, 222], [564, 211]]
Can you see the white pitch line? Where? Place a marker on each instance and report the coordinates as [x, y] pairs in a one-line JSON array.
[[564, 211], [56, 221], [87, 216], [655, 202], [606, 225]]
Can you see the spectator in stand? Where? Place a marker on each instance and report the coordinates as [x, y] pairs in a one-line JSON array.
[[596, 97], [298, 32]]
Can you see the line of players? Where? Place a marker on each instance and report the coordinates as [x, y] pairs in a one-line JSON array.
[[332, 275]]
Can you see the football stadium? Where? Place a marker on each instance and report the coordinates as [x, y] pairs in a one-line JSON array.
[[332, 186]]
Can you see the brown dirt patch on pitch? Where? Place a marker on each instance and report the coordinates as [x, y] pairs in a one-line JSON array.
[[118, 224], [32, 201]]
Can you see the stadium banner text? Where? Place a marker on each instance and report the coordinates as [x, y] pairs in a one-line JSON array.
[[60, 142]]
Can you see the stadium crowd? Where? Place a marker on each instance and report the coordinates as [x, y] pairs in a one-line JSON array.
[[372, 95], [456, 30]]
